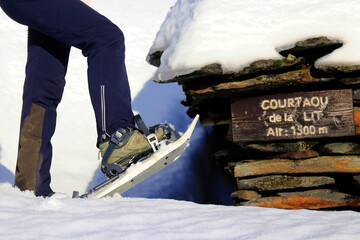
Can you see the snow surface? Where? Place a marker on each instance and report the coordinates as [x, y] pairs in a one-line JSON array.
[[24, 216], [236, 33], [191, 178]]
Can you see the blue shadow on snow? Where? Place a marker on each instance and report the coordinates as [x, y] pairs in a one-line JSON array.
[[5, 174], [194, 176]]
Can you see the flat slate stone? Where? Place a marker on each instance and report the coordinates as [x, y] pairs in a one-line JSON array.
[[313, 199], [245, 195], [322, 164], [313, 48], [300, 154], [281, 182], [356, 94], [154, 58], [338, 70], [273, 66], [261, 83], [349, 80], [278, 147], [260, 67], [341, 148], [357, 120]]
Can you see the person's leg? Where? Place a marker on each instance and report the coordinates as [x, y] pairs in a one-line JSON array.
[[45, 80], [75, 24]]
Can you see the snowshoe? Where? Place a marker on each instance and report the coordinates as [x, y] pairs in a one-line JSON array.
[[151, 164], [127, 145]]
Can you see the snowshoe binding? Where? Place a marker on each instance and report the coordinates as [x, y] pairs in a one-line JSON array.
[[127, 145]]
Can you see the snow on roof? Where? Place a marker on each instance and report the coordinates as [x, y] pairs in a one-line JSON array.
[[234, 34]]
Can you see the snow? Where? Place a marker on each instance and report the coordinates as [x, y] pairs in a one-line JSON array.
[[236, 33], [155, 209], [24, 216]]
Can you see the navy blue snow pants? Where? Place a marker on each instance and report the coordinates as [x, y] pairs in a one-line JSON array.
[[54, 26]]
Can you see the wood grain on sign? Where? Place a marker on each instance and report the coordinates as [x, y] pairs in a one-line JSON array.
[[293, 116]]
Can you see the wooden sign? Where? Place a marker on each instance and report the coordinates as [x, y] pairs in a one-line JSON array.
[[294, 116]]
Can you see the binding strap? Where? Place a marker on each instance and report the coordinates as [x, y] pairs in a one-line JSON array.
[[118, 139], [151, 137]]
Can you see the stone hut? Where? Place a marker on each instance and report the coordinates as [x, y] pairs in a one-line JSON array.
[[287, 129]]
